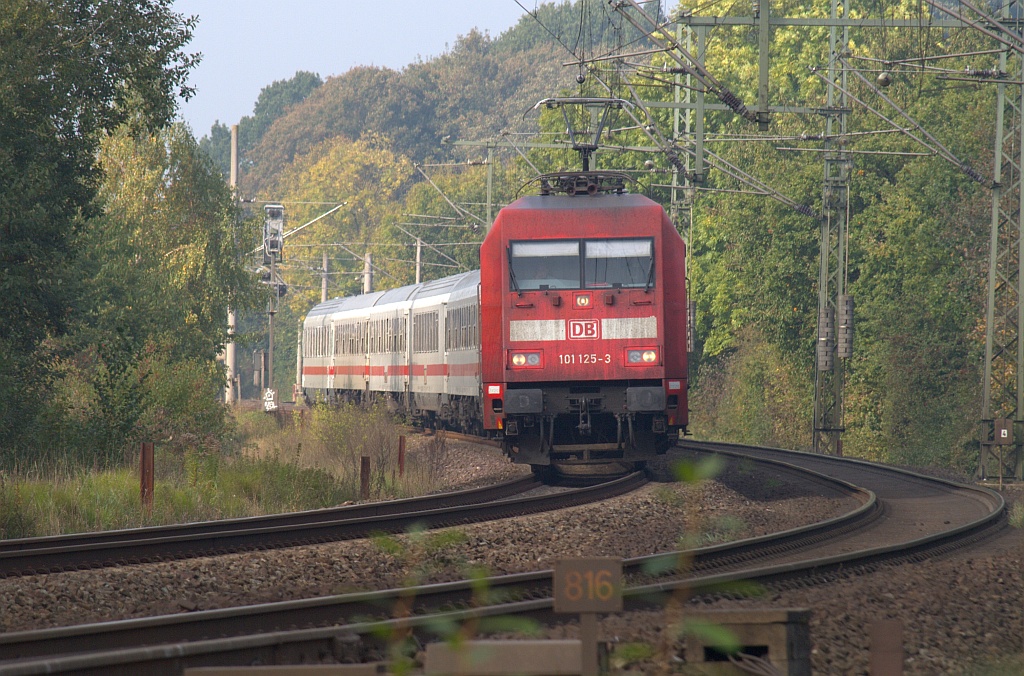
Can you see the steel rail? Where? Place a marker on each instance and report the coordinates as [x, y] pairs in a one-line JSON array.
[[348, 608], [91, 550], [280, 647], [468, 496]]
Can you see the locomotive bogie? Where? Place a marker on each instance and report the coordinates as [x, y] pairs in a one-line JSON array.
[[566, 423]]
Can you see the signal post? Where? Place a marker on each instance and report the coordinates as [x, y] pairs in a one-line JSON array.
[[273, 244]]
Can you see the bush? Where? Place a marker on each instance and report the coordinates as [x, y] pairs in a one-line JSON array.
[[96, 414], [331, 438], [753, 396]]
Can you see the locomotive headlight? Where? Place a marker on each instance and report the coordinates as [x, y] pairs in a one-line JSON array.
[[529, 360], [641, 357]]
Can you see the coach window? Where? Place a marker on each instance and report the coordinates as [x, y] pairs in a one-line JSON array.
[[618, 263], [550, 264]]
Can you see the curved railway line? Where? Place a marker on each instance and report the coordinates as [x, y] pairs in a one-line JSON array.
[[142, 545], [894, 515]]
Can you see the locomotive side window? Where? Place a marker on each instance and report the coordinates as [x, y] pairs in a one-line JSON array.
[[550, 264], [618, 263]]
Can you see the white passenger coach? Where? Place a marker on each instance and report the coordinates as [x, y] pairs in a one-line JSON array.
[[416, 347]]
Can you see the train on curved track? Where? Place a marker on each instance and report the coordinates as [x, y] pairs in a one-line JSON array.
[[569, 343]]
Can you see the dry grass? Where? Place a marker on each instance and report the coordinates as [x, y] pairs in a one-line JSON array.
[[187, 489], [310, 461], [335, 439]]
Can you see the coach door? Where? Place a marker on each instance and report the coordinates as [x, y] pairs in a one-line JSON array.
[[332, 356], [407, 355], [367, 349], [446, 337]]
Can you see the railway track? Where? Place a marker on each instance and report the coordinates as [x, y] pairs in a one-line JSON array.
[[896, 516], [142, 545]]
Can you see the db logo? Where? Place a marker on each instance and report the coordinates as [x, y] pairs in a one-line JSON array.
[[584, 329]]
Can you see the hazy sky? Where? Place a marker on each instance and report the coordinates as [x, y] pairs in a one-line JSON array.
[[248, 44]]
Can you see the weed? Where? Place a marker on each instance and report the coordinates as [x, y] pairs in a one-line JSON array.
[[628, 654], [423, 553], [670, 496], [437, 455], [15, 522], [214, 489], [1017, 515], [676, 624]]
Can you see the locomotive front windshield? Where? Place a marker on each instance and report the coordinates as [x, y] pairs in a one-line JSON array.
[[551, 264], [581, 264], [618, 263]]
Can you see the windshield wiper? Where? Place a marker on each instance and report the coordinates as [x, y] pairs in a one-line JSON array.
[[512, 273], [650, 277]]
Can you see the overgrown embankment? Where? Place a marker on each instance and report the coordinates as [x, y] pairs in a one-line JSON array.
[[307, 461]]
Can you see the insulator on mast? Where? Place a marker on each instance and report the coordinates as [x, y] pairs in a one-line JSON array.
[[826, 337], [691, 323], [845, 329]]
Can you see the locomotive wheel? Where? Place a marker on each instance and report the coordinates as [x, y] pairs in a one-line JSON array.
[[593, 471], [543, 472]]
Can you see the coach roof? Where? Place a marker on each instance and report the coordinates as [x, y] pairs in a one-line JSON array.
[[411, 292]]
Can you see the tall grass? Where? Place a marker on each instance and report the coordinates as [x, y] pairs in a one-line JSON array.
[[308, 461], [335, 439], [89, 501]]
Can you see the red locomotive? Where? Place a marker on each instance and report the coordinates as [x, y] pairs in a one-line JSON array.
[[583, 320], [569, 343]]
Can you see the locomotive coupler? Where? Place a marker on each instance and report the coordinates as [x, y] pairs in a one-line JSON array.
[[584, 427]]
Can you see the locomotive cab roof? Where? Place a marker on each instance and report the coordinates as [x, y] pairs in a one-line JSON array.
[[602, 201]]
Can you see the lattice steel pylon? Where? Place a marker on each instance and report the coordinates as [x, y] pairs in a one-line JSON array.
[[681, 211], [1003, 403], [832, 272]]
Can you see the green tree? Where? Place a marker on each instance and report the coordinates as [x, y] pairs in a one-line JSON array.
[[369, 177], [917, 238], [158, 270], [70, 71], [274, 101], [365, 99], [477, 89]]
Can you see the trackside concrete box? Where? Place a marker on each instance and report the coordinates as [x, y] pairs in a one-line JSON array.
[[504, 658], [781, 637]]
